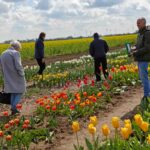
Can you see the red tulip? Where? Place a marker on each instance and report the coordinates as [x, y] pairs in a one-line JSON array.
[[85, 81], [93, 83], [54, 108], [113, 69], [45, 97], [19, 106], [110, 77], [6, 126], [85, 94], [121, 68], [48, 107], [5, 113], [100, 68], [72, 107], [24, 126], [11, 122]]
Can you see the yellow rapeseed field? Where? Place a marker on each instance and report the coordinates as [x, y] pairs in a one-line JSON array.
[[73, 46]]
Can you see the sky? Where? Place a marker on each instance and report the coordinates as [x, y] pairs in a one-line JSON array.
[[25, 19]]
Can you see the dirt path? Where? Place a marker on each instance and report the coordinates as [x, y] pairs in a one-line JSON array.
[[52, 59], [124, 107]]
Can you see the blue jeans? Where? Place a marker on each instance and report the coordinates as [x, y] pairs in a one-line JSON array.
[[15, 99], [143, 73]]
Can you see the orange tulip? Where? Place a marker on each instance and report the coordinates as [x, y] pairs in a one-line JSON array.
[[105, 130], [138, 119], [8, 137], [16, 121], [84, 94], [99, 94], [27, 122], [144, 126], [48, 107], [1, 134]]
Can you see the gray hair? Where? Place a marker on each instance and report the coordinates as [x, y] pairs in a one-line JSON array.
[[143, 19], [15, 44]]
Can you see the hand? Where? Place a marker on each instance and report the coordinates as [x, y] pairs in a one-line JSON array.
[[133, 49]]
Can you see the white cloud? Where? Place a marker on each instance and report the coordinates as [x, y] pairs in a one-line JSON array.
[[24, 19], [4, 7]]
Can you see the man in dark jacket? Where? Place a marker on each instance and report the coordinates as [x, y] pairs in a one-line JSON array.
[[39, 52], [98, 50], [142, 54]]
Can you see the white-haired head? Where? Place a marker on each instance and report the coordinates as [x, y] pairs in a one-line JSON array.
[[16, 45]]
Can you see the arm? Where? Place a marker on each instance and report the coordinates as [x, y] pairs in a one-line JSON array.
[[18, 64], [106, 47], [91, 50], [146, 48], [40, 48]]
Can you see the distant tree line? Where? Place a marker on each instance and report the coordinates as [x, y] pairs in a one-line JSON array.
[[66, 38]]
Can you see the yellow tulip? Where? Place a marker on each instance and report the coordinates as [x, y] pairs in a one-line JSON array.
[[138, 119], [127, 121], [129, 127], [115, 122], [105, 130], [93, 120], [92, 129], [75, 126], [144, 126], [148, 139], [125, 133]]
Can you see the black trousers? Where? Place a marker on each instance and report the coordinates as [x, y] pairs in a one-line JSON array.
[[42, 66], [100, 63]]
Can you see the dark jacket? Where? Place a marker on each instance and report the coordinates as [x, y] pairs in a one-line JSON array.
[[143, 46], [39, 49], [98, 48]]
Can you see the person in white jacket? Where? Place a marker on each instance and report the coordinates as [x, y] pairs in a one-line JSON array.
[[13, 74]]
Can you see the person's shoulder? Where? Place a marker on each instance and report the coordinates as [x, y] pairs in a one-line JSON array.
[[92, 42], [15, 53], [102, 40], [147, 32]]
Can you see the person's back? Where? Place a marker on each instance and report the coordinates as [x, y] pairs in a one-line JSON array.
[[98, 50], [39, 52], [99, 47], [13, 74], [39, 49], [12, 71]]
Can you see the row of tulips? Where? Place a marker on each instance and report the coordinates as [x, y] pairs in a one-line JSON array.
[[19, 132], [132, 135], [59, 72]]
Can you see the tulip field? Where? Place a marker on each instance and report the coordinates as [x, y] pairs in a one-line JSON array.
[[76, 97]]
